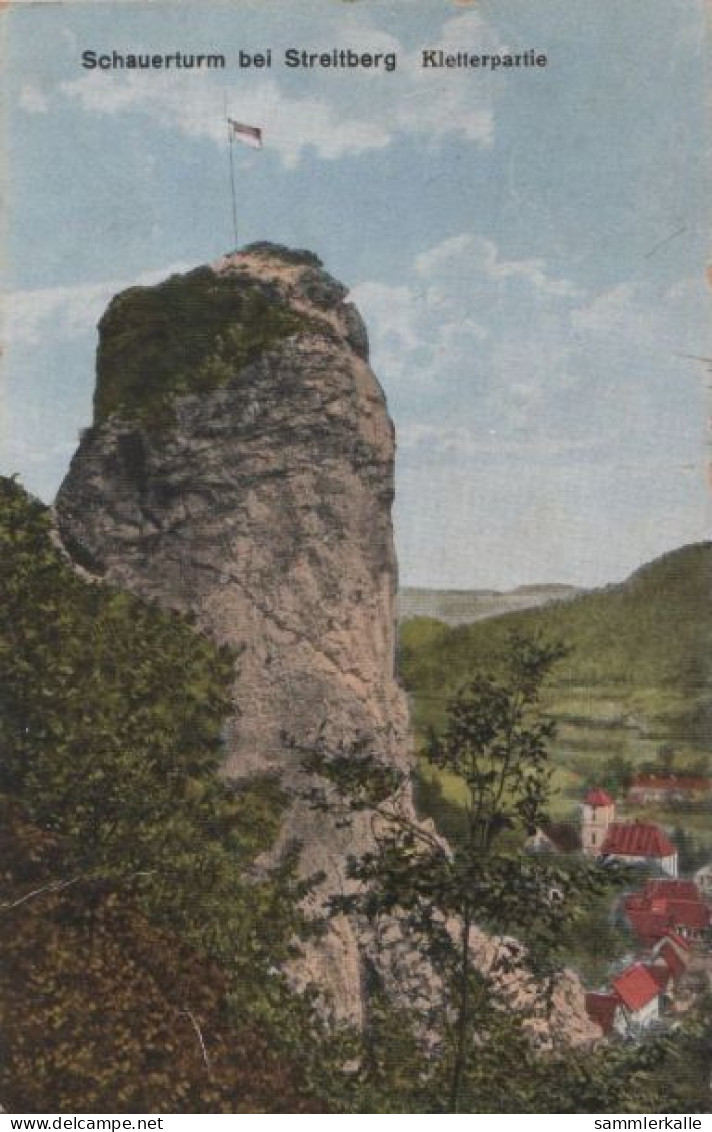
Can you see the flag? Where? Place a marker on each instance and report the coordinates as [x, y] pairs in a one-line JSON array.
[[250, 135]]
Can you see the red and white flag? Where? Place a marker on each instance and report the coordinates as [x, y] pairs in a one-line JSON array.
[[250, 135]]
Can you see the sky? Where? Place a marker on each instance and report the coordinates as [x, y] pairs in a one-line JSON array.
[[528, 247]]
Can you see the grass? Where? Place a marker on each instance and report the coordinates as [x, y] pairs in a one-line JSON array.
[[638, 676], [192, 333]]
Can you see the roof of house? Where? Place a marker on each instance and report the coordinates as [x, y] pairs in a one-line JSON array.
[[563, 835], [636, 987], [670, 782], [652, 916], [675, 964], [648, 927], [660, 888], [678, 940], [692, 914], [598, 797], [636, 839], [601, 1009], [661, 972]]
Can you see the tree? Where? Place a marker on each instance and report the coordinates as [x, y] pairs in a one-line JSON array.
[[693, 852], [614, 774], [495, 742], [121, 846], [104, 1010]]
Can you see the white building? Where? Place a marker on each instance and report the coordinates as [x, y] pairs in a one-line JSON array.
[[634, 843], [597, 813], [639, 996]]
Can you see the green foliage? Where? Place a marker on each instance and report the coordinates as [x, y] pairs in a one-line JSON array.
[[449, 817], [480, 1056], [101, 1009], [388, 1071], [593, 938], [614, 774], [636, 676], [495, 740], [692, 853], [119, 829], [140, 946], [191, 333], [651, 631], [665, 1074]]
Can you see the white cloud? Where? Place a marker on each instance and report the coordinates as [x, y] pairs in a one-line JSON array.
[[567, 443], [65, 312], [478, 344], [397, 313], [484, 330], [290, 124], [421, 103], [630, 318], [611, 312], [468, 255], [26, 313]]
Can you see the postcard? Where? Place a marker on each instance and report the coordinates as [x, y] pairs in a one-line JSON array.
[[355, 506]]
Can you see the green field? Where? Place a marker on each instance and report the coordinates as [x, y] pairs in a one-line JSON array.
[[633, 693]]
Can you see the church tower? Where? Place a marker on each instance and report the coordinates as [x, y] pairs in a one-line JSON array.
[[597, 814]]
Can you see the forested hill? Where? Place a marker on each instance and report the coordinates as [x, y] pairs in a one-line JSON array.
[[640, 658]]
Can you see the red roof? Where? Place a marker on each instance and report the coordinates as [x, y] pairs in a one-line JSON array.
[[661, 972], [670, 782], [636, 839], [662, 889], [598, 797], [601, 1009], [636, 987], [653, 916], [692, 914], [677, 939], [648, 928], [675, 964]]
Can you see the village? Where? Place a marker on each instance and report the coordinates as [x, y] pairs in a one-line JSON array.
[[668, 916]]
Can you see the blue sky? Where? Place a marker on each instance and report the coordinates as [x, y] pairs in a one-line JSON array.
[[528, 248]]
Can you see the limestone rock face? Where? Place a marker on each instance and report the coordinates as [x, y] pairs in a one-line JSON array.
[[262, 504], [240, 468]]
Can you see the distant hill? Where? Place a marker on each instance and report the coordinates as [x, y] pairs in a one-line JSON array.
[[462, 607], [637, 679]]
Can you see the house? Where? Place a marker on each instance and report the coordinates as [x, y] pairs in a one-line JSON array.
[[639, 843], [668, 965], [703, 880], [630, 842], [606, 1010], [665, 788], [662, 974], [642, 991], [597, 814], [639, 995], [672, 909], [677, 889], [555, 837], [674, 952]]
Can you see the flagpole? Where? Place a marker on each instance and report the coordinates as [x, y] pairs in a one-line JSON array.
[[231, 163]]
